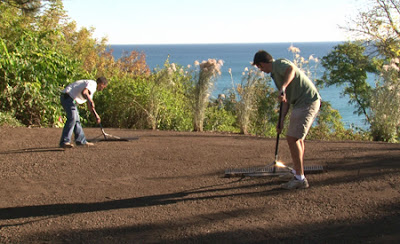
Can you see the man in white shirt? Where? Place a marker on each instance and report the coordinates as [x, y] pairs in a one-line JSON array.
[[79, 92]]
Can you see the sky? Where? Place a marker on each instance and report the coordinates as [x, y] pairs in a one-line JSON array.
[[213, 21]]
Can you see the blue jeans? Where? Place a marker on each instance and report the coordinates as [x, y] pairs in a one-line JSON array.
[[73, 124]]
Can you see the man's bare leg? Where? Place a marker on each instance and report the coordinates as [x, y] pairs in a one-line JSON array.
[[296, 147]]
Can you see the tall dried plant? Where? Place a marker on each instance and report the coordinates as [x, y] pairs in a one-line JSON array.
[[385, 104], [247, 103], [308, 66], [208, 73]]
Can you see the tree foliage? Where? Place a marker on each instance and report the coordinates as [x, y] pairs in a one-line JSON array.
[[378, 34], [379, 25], [27, 7], [32, 68], [347, 66]]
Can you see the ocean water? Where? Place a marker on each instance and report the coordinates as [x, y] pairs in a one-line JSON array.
[[239, 56]]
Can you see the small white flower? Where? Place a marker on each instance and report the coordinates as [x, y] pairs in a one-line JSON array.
[[293, 49], [173, 67], [395, 67], [386, 67], [170, 71]]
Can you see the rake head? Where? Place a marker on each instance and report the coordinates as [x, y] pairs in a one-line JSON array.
[[109, 137], [270, 170]]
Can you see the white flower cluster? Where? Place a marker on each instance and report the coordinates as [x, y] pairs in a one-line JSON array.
[[312, 58], [211, 65], [293, 49], [393, 66]]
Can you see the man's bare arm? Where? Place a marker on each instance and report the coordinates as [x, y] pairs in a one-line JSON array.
[[90, 104]]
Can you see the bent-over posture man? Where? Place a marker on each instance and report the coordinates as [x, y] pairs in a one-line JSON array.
[[79, 92], [298, 90]]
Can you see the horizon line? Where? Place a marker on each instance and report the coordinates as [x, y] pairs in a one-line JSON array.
[[222, 43]]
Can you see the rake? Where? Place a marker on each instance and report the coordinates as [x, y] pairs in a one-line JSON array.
[[109, 137], [274, 169]]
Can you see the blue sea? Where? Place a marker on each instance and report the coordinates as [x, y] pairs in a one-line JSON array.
[[239, 56]]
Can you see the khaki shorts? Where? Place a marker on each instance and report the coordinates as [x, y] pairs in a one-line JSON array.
[[301, 120]]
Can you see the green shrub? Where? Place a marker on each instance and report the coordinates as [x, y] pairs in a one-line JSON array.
[[8, 119], [157, 101], [218, 119], [31, 76]]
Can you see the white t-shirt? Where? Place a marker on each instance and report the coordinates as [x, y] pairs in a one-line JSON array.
[[75, 90]]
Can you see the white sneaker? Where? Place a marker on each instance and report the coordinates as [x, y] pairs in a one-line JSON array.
[[295, 184]]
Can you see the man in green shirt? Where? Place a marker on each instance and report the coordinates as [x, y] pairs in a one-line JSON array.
[[298, 90]]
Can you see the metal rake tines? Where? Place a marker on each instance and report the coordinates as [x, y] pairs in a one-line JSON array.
[[254, 170], [313, 169], [268, 170]]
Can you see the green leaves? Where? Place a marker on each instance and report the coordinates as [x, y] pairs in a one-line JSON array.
[[32, 74], [347, 66]]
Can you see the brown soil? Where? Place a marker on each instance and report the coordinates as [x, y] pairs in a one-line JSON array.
[[169, 187]]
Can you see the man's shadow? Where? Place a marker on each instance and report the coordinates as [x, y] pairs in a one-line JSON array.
[[145, 201]]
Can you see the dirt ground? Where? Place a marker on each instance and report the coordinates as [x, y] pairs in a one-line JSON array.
[[169, 187]]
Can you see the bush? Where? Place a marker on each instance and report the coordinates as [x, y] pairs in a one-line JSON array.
[[218, 119], [31, 76], [157, 101], [8, 119]]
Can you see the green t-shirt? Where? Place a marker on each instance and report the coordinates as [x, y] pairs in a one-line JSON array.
[[301, 91]]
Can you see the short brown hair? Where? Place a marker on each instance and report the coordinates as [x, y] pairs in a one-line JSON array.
[[262, 57], [102, 80]]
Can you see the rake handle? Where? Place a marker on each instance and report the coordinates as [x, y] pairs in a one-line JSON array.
[[102, 131], [277, 136]]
